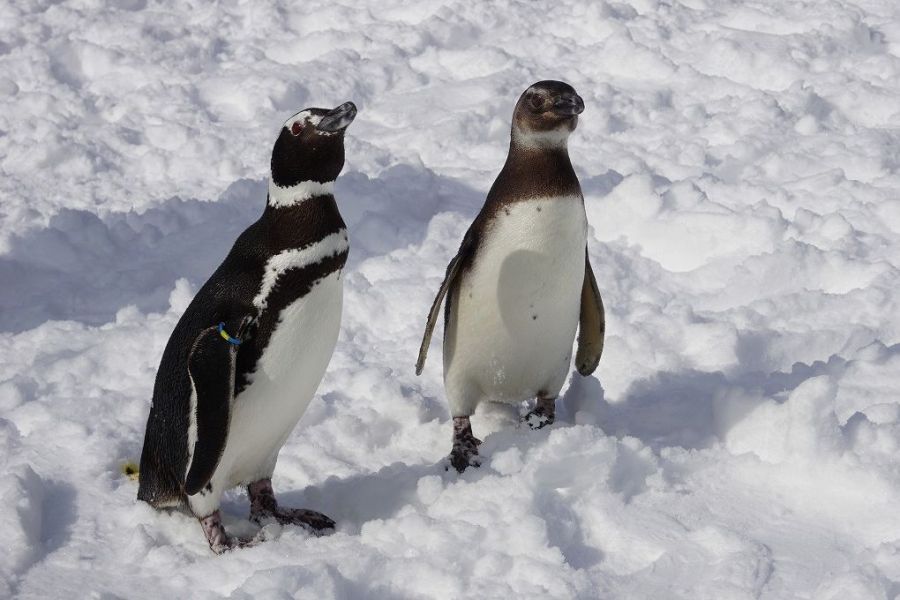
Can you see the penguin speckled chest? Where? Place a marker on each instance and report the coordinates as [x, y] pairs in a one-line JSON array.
[[521, 284], [249, 352], [522, 294]]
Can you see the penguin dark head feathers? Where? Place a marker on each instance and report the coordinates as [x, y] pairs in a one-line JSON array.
[[309, 154], [545, 115]]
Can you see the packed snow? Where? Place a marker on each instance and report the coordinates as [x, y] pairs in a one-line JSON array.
[[740, 162]]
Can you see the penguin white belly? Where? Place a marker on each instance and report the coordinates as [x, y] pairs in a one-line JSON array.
[[285, 381], [510, 335]]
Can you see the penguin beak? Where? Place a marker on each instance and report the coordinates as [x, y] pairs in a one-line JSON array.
[[338, 118], [568, 105]]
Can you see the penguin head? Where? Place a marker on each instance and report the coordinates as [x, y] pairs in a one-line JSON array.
[[309, 149], [545, 115]]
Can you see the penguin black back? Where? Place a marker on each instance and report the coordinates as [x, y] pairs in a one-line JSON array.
[[246, 298]]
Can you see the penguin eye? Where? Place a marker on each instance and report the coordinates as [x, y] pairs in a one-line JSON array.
[[536, 102], [296, 128]]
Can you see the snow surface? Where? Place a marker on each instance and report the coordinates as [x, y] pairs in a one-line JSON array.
[[741, 167]]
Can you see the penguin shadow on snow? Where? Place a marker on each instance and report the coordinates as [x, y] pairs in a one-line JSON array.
[[564, 529], [393, 210], [49, 528], [601, 185], [58, 515], [85, 268], [354, 500], [691, 409], [350, 501]]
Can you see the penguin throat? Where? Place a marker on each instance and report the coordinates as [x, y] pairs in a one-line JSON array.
[[556, 138], [283, 196]]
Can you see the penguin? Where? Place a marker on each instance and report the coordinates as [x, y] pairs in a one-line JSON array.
[[522, 283], [246, 357]]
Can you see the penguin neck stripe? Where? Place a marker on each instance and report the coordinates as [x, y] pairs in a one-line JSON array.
[[280, 197], [298, 258], [231, 340]]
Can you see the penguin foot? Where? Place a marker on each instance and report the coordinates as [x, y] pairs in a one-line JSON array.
[[219, 541], [465, 446], [543, 414], [264, 507], [461, 459], [314, 522]]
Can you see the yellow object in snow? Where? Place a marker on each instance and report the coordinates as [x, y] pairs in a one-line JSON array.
[[130, 470]]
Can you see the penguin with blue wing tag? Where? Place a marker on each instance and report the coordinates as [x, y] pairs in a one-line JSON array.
[[247, 356]]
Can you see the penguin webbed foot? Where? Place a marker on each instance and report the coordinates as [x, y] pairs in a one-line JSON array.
[[462, 459], [465, 446], [219, 541], [542, 415], [314, 522], [264, 507], [232, 542]]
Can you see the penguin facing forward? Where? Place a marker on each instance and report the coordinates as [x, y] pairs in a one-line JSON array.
[[247, 355], [521, 284]]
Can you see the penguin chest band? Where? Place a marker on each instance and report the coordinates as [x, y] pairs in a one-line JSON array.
[[298, 258]]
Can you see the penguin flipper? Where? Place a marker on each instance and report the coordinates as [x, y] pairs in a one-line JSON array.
[[592, 323], [453, 270], [211, 365]]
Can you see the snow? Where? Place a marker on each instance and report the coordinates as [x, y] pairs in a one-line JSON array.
[[741, 168]]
